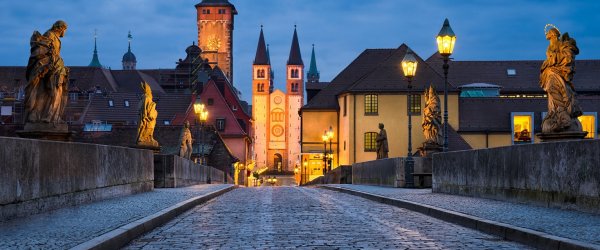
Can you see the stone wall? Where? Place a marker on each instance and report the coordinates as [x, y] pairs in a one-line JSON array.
[[339, 175], [562, 174], [171, 171], [40, 175], [387, 172]]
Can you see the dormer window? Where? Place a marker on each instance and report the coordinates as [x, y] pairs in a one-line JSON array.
[[111, 103], [511, 72], [126, 102]]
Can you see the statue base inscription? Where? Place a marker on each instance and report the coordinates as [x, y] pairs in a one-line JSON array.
[[562, 136], [46, 131], [428, 149]]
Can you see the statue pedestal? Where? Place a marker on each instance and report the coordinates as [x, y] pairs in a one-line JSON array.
[[154, 148], [428, 149], [46, 131], [562, 136]]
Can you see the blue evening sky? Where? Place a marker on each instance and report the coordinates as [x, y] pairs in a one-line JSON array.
[[340, 30]]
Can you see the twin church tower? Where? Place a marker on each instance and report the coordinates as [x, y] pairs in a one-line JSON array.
[[276, 121]]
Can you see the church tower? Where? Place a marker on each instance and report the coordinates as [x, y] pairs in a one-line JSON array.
[[129, 61], [261, 80], [313, 74], [215, 33], [95, 61], [295, 100]]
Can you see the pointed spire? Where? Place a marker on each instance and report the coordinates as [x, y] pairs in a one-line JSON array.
[[129, 37], [295, 56], [95, 61], [262, 56], [313, 73]]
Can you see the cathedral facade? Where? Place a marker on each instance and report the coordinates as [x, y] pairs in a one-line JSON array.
[[276, 121]]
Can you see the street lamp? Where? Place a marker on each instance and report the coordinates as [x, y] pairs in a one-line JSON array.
[[445, 41], [325, 137], [304, 165], [202, 114], [330, 156], [409, 67]]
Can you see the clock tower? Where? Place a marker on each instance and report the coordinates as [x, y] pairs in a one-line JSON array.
[[215, 33]]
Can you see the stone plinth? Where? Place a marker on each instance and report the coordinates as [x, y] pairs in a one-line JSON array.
[[40, 175], [387, 172], [46, 131], [429, 149], [562, 136], [558, 174]]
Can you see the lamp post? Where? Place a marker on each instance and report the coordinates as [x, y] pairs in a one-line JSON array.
[[324, 137], [202, 114], [409, 67], [445, 41], [330, 156], [304, 179]]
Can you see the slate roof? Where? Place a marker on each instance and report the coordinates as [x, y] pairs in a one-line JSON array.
[[295, 55], [376, 70], [526, 79], [84, 78], [261, 58], [388, 76], [493, 114]]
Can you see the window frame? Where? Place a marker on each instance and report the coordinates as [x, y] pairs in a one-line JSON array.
[[372, 105], [414, 104], [371, 145], [218, 125], [531, 127]]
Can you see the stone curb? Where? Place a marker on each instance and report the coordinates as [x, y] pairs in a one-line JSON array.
[[525, 236], [121, 236]]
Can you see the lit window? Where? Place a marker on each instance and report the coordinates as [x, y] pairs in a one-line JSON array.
[[110, 103], [371, 105], [522, 127], [220, 124], [167, 122], [370, 142], [511, 72], [588, 123], [415, 104], [126, 103]]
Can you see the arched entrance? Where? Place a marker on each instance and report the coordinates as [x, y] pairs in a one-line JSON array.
[[278, 162]]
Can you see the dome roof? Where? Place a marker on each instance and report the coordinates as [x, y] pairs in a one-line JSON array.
[[193, 50], [129, 57]]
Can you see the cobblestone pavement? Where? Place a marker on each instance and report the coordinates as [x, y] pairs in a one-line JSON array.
[[560, 222], [309, 218], [68, 227]]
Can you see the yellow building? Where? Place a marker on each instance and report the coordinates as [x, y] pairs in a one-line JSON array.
[[490, 104]]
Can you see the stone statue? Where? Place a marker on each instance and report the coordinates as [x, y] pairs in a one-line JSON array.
[[185, 141], [147, 118], [47, 78], [432, 118], [382, 143], [556, 79]]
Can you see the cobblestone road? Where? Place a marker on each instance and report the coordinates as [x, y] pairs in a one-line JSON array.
[[67, 227], [309, 218]]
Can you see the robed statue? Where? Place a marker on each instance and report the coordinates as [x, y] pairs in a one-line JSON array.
[[147, 118], [47, 78], [432, 118], [382, 143], [185, 141], [556, 79]]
